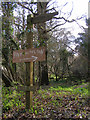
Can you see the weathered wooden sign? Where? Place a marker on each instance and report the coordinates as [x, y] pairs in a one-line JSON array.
[[29, 55], [42, 18]]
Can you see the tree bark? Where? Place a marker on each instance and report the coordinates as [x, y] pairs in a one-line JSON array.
[[43, 69], [6, 80], [56, 77]]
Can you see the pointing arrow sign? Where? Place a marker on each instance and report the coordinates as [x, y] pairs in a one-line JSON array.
[[35, 58], [41, 18], [29, 55], [32, 57]]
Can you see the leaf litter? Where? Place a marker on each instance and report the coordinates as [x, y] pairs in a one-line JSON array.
[[52, 103]]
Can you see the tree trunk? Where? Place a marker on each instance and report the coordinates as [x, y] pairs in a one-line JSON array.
[[39, 72], [88, 78], [6, 80], [56, 77], [33, 73], [41, 6], [44, 79]]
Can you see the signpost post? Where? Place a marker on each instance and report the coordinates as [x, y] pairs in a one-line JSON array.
[[29, 66]]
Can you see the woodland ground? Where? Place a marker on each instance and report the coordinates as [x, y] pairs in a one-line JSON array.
[[58, 101]]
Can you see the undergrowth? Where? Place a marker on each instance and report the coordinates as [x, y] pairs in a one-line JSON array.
[[49, 100]]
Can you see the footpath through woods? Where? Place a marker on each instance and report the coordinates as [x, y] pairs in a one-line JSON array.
[[57, 101]]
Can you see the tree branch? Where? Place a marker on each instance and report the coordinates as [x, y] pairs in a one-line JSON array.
[[25, 7], [55, 27], [66, 20], [76, 51]]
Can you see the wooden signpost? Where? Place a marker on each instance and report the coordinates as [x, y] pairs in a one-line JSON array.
[[30, 55]]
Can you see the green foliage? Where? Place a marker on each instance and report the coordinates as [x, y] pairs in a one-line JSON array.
[[11, 99], [74, 90]]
